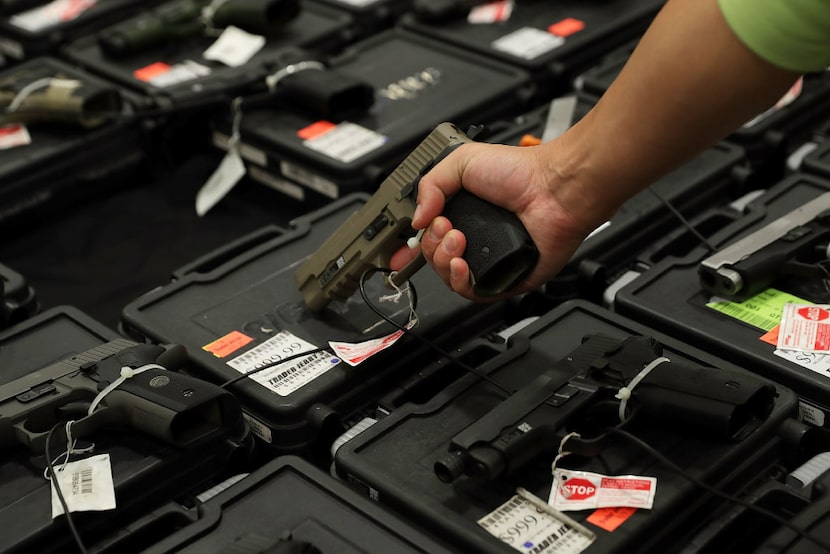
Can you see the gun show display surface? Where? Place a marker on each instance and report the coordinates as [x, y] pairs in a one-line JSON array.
[[64, 135], [166, 435], [728, 299], [417, 83], [553, 41], [240, 308], [454, 462], [163, 53], [34, 28], [290, 503], [768, 138], [799, 496], [18, 299]]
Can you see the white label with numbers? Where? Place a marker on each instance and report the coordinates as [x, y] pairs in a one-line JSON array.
[[346, 142], [86, 486], [283, 379], [521, 525], [528, 43]]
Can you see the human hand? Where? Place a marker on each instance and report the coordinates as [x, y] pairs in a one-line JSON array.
[[522, 180]]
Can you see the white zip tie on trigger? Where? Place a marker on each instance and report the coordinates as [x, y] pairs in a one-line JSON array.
[[625, 392], [126, 373], [415, 242]]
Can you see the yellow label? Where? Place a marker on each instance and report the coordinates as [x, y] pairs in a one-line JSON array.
[[763, 310]]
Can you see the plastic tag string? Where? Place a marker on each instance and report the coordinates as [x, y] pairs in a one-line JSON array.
[[562, 452], [625, 392], [70, 449]]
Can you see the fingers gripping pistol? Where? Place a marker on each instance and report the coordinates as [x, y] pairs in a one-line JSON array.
[[797, 244], [170, 406], [499, 249]]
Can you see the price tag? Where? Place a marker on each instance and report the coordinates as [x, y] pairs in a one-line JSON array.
[[234, 47], [50, 15], [285, 378], [86, 486], [528, 43], [220, 183], [532, 530], [14, 135], [491, 12]]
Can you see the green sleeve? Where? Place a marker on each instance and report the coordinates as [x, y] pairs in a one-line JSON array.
[[792, 34]]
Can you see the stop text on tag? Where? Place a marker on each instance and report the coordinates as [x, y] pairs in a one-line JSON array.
[[583, 490], [805, 327]]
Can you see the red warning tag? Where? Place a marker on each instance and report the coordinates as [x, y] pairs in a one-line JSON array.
[[610, 518]]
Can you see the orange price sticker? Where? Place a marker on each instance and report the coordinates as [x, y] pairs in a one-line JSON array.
[[228, 344]]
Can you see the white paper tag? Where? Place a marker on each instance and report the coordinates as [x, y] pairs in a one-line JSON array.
[[528, 43], [259, 429], [14, 135], [50, 15], [234, 47], [285, 378], [811, 414], [231, 169], [805, 327], [491, 12], [814, 361], [86, 486], [346, 142], [583, 490], [528, 529], [180, 73]]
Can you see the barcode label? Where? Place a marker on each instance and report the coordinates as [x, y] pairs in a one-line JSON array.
[[530, 530], [86, 485], [286, 378]]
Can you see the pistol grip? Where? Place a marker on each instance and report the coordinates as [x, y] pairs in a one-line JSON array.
[[499, 250]]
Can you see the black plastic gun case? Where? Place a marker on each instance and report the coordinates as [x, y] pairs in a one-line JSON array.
[[798, 495], [174, 70], [553, 41], [670, 295], [417, 83], [30, 29], [768, 138], [459, 457], [239, 308], [18, 300], [62, 145], [145, 471], [289, 503]]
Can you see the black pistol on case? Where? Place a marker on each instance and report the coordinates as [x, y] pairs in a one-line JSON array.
[[797, 244], [499, 249], [186, 18], [583, 387], [172, 407]]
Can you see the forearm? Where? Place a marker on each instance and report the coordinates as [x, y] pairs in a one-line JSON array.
[[689, 83]]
